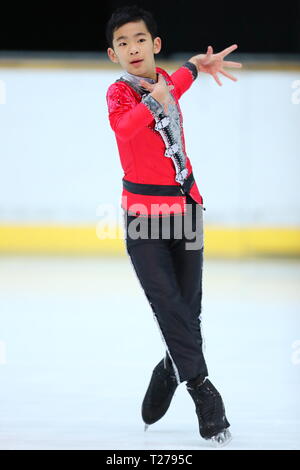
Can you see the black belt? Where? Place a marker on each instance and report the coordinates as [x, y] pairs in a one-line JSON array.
[[159, 189]]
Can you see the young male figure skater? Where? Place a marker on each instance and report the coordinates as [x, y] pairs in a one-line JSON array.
[[159, 189]]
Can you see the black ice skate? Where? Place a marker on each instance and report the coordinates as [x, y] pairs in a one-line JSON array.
[[210, 411], [160, 392]]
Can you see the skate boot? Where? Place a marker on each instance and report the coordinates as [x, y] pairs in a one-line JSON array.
[[160, 392], [210, 411]]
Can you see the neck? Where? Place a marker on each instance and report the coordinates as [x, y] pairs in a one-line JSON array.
[[153, 76], [150, 76], [136, 78]]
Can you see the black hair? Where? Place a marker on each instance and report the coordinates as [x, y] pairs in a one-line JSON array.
[[127, 14]]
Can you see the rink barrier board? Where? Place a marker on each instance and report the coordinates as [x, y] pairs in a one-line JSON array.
[[88, 240], [62, 239]]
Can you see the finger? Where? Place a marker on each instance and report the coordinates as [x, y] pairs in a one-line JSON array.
[[217, 79], [228, 50], [228, 75], [209, 50], [232, 64], [146, 84]]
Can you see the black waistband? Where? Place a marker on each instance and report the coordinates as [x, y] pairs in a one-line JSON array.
[[159, 189]]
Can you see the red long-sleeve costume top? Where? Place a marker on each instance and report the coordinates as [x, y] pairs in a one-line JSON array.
[[142, 149]]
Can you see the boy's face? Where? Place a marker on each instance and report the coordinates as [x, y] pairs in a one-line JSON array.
[[132, 42]]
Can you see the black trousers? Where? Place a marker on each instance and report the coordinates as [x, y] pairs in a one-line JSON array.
[[167, 256]]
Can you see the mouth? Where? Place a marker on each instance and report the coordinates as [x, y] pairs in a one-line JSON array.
[[136, 61]]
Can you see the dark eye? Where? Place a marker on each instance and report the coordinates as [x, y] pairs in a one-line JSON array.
[[142, 39]]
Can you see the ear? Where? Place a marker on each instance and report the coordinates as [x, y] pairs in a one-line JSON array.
[[112, 55], [156, 45]]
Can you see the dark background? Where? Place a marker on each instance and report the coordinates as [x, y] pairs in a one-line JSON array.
[[257, 27]]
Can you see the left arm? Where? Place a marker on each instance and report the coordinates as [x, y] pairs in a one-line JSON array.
[[208, 63], [183, 78]]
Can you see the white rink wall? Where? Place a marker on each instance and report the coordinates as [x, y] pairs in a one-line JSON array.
[[59, 159]]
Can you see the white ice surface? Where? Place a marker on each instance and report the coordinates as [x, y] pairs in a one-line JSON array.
[[78, 343]]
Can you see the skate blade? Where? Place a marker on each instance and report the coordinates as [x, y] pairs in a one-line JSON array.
[[146, 427], [221, 439]]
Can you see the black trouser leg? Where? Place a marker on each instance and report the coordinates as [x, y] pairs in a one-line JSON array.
[[171, 277]]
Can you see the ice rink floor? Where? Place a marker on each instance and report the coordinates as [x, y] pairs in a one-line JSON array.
[[78, 343]]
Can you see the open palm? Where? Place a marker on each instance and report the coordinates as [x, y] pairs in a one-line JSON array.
[[214, 63]]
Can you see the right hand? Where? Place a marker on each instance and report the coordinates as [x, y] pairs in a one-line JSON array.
[[159, 91]]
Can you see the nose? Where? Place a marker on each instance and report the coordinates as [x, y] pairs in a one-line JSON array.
[[134, 49]]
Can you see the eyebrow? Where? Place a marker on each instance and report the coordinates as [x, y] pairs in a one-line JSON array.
[[125, 37]]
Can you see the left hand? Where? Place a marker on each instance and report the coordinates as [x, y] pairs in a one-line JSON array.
[[214, 63]]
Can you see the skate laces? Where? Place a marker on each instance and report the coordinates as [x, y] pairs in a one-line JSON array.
[[206, 396], [208, 387], [209, 408]]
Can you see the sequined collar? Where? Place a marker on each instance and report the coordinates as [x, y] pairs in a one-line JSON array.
[[135, 80]]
